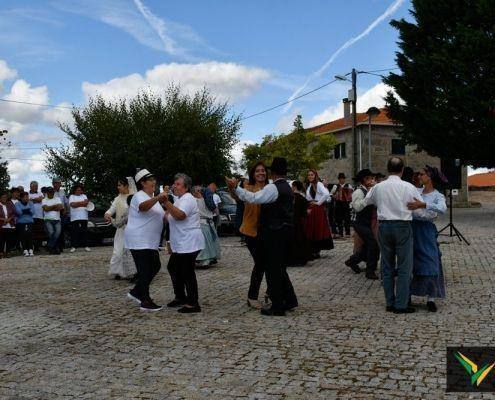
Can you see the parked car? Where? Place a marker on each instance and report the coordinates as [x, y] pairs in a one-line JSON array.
[[226, 223]]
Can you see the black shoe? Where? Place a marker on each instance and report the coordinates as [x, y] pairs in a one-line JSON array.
[[272, 312], [371, 275], [149, 305], [355, 268], [407, 310], [390, 308], [117, 277], [214, 261], [133, 278], [291, 306], [176, 303], [134, 296], [189, 310], [431, 306]]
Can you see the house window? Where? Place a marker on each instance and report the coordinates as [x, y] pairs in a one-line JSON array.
[[339, 151], [398, 147]]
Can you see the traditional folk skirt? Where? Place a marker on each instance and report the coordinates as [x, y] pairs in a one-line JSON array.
[[317, 229], [428, 279]]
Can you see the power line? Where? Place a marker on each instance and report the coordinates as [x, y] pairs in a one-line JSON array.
[[34, 104], [311, 91], [21, 159], [288, 101]]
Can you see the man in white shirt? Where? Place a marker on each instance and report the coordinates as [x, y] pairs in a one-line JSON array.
[[52, 206], [395, 234]]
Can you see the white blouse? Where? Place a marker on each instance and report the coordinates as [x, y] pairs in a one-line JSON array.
[[322, 194]]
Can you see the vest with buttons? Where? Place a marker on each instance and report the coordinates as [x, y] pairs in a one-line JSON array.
[[278, 214], [364, 217]]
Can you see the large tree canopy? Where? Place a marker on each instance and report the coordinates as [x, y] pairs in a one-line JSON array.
[[4, 172], [447, 79], [303, 150], [169, 134]]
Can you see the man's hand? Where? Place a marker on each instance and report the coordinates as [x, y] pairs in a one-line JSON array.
[[166, 189], [107, 217], [414, 205], [231, 183]]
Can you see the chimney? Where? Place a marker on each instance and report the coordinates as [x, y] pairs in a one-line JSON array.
[[347, 109]]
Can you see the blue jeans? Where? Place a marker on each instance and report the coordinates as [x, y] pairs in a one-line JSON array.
[[53, 229], [396, 246]]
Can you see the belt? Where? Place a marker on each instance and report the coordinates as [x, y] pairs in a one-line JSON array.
[[393, 221]]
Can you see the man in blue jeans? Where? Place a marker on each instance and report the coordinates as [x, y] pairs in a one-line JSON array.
[[52, 205], [395, 234]]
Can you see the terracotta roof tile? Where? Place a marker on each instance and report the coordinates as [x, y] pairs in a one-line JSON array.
[[482, 180], [362, 118]]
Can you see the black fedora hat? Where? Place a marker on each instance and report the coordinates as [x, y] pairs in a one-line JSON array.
[[363, 174], [279, 166]]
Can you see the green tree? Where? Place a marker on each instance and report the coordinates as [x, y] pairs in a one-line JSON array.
[[303, 150], [4, 172], [169, 134], [447, 79]]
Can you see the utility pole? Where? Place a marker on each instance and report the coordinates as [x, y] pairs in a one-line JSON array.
[[354, 123]]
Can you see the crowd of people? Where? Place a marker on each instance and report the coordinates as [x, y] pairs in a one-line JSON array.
[[283, 223], [26, 215]]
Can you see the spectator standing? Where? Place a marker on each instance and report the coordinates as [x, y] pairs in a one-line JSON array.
[[64, 214], [52, 206], [37, 197], [342, 194], [7, 221], [25, 220], [78, 202]]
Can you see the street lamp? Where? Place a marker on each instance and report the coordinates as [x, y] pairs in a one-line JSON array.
[[372, 112]]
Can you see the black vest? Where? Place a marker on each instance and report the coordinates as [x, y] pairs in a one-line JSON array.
[[365, 216], [278, 214]]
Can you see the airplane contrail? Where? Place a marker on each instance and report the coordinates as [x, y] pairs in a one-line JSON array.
[[388, 12]]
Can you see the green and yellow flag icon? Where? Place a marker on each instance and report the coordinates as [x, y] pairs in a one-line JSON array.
[[477, 375]]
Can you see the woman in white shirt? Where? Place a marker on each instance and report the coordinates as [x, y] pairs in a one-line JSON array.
[[142, 237], [317, 229], [78, 202], [186, 241], [121, 264]]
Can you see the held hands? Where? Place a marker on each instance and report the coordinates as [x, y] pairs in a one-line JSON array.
[[414, 205], [231, 183], [107, 217]]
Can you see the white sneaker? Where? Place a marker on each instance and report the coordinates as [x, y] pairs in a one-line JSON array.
[[26, 253], [72, 250], [31, 254], [87, 249]]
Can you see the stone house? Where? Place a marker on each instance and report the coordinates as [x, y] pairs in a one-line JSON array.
[[385, 143]]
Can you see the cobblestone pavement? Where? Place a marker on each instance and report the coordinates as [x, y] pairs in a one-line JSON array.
[[67, 331]]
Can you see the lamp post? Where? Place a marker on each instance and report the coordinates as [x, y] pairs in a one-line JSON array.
[[372, 112]]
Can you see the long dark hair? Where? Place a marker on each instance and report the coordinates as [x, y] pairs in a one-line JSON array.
[[438, 179], [312, 185], [252, 170]]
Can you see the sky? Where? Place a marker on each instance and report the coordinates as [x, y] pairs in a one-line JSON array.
[[253, 54]]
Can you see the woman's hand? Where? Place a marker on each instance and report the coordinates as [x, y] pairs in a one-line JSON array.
[[231, 183], [107, 217]]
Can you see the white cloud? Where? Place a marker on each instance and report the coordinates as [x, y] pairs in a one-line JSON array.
[[22, 166], [373, 97], [6, 72], [237, 154], [286, 123], [53, 116], [226, 81], [22, 91], [385, 15]]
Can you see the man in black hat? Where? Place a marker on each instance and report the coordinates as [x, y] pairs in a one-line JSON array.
[[342, 195], [276, 232], [362, 224]]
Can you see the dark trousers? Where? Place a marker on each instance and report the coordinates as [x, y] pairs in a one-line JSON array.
[[65, 220], [25, 236], [147, 265], [343, 217], [331, 217], [253, 246], [181, 269], [79, 231], [275, 247], [7, 239], [369, 251]]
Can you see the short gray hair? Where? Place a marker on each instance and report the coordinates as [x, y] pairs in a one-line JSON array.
[[185, 178]]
